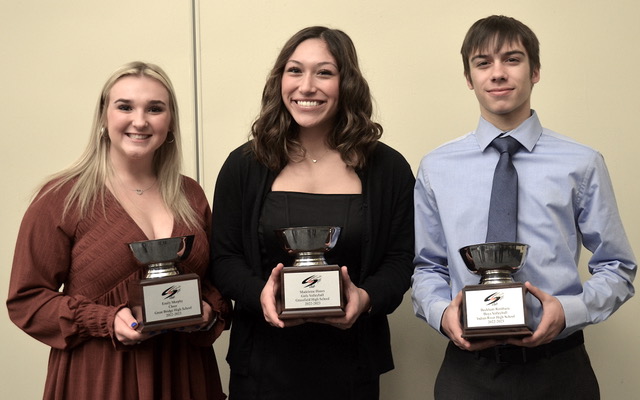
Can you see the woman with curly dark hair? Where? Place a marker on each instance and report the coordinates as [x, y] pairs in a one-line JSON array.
[[314, 159]]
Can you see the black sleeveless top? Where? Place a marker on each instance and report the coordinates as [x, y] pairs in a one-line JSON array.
[[311, 360]]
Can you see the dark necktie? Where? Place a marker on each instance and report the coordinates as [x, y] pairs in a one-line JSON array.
[[503, 211]]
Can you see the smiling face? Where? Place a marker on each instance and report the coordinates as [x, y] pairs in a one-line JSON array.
[[503, 81], [138, 118], [311, 86]]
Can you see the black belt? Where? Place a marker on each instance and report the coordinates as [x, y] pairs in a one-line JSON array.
[[509, 354]]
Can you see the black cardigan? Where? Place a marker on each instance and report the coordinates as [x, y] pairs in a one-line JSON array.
[[387, 259]]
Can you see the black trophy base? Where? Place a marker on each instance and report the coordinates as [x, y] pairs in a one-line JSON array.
[[493, 311], [476, 334], [311, 292], [166, 303]]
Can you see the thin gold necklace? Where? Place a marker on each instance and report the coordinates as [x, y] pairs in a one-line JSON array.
[[315, 160], [139, 192]]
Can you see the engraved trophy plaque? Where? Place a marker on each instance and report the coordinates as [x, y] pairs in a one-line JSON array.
[[165, 299], [495, 307], [310, 288]]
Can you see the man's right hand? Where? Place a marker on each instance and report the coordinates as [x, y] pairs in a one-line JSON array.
[[452, 327]]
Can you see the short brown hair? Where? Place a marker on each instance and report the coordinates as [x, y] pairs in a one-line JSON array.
[[497, 30]]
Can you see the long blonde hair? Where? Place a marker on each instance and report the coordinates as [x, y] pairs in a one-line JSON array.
[[91, 170]]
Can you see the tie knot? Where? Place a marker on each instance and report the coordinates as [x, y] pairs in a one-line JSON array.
[[506, 144]]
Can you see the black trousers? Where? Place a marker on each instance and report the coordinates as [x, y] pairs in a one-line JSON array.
[[562, 373]]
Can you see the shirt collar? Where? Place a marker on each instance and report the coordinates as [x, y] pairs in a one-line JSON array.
[[527, 133]]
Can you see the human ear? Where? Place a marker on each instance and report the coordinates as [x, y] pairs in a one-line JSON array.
[[469, 82], [535, 76]]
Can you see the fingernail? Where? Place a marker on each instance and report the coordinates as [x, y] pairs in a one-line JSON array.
[[134, 324]]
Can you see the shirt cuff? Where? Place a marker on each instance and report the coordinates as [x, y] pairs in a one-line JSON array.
[[576, 315], [436, 311]]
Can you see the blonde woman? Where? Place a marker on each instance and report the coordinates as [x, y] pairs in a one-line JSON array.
[[72, 264]]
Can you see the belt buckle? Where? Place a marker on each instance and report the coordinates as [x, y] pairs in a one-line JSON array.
[[513, 357]]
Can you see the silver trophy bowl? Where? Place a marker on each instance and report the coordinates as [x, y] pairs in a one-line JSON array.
[[494, 262], [161, 255], [308, 243]]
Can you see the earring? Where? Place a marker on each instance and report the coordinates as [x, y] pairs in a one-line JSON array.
[[104, 133], [173, 138]]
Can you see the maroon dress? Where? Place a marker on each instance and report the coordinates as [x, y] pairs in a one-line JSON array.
[[68, 281]]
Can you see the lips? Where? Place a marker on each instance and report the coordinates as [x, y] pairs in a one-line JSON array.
[[500, 91]]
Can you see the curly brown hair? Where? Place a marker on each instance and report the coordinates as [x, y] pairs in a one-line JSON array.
[[275, 132]]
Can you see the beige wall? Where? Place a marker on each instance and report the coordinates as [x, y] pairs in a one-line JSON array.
[[56, 55]]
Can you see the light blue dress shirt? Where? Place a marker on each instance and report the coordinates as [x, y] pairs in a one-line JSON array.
[[565, 201]]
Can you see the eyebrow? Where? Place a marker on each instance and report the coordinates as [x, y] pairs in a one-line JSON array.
[[507, 53], [320, 64], [152, 102]]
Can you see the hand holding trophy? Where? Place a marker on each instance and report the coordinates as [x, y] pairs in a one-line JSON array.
[[165, 299], [495, 307], [310, 288]]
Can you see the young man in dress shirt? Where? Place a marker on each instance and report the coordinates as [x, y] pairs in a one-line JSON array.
[[565, 201]]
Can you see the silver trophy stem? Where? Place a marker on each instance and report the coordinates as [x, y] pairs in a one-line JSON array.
[[309, 258], [161, 270], [495, 276]]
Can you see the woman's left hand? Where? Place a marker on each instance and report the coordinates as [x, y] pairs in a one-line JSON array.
[[358, 302]]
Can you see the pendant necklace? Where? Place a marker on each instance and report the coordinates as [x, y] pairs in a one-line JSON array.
[[139, 192], [315, 160]]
